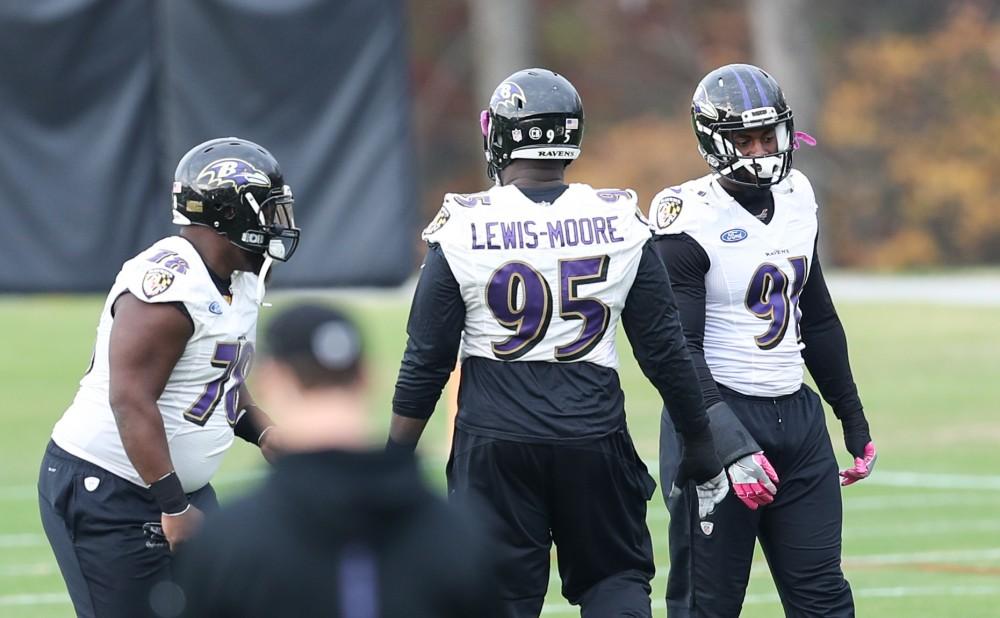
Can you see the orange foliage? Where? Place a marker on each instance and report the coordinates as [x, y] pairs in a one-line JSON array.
[[916, 118], [646, 153]]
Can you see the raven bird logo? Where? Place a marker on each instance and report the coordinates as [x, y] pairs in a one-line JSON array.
[[508, 93], [233, 172]]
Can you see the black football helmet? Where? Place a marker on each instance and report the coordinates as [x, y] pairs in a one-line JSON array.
[[533, 114], [738, 97], [236, 188]]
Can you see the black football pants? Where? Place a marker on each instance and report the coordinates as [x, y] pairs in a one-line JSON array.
[[800, 532], [93, 520], [590, 499]]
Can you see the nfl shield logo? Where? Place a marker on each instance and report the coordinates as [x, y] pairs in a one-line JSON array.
[[707, 527], [516, 134]]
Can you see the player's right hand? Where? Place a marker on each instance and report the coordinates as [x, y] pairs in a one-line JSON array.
[[181, 527], [754, 480], [710, 493]]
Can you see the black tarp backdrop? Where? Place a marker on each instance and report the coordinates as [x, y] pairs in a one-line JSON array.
[[100, 98]]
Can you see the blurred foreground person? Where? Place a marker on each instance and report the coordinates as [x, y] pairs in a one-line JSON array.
[[526, 283], [740, 245], [126, 475], [339, 528]]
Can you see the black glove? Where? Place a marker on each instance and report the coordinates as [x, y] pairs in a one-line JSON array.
[[699, 462], [856, 433]]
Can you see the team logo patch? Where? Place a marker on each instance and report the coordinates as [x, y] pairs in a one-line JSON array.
[[667, 211], [703, 106], [438, 222], [508, 93], [733, 235], [156, 281], [707, 527], [236, 173], [215, 308]]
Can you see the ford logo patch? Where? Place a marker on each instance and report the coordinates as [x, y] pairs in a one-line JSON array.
[[733, 235]]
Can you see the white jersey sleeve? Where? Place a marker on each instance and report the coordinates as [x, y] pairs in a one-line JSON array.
[[540, 281], [757, 270], [200, 401]]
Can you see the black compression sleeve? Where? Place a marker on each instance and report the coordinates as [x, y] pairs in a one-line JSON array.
[[437, 317], [687, 263], [825, 352], [651, 322]]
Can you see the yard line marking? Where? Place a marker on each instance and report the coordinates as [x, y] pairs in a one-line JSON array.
[[925, 557], [44, 598], [38, 569], [30, 492], [895, 478], [922, 528], [878, 503], [24, 539], [885, 478], [866, 593]]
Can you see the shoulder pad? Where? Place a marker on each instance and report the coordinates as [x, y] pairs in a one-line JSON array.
[[159, 275], [614, 196], [799, 182], [468, 200], [670, 212], [440, 219]]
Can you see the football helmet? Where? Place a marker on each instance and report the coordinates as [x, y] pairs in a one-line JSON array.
[[236, 188], [533, 114], [738, 97]]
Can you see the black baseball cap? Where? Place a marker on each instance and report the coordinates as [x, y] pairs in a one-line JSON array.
[[321, 343]]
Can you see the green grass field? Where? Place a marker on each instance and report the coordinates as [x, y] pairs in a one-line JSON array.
[[922, 536]]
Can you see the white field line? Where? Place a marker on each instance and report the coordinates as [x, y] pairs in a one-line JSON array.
[[903, 558], [44, 598], [24, 539], [890, 478], [883, 478], [866, 560], [927, 502], [864, 593]]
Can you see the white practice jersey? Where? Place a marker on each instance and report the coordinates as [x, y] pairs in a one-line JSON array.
[[752, 342], [542, 282], [200, 401]]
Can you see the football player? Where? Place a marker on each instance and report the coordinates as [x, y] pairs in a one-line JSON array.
[[526, 283], [740, 246], [125, 477]]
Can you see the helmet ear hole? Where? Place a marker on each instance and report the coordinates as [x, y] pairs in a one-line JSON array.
[[228, 213]]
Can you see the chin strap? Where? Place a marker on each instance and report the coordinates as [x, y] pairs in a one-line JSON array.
[[261, 276]]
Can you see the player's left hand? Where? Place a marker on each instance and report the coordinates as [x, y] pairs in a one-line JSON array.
[[271, 446], [863, 466], [754, 480]]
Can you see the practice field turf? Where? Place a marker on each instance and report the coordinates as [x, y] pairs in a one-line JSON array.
[[922, 536]]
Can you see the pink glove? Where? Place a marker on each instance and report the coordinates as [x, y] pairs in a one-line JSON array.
[[863, 466], [754, 480]]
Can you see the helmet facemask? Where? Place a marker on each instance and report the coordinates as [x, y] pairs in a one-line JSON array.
[[717, 146], [275, 234]]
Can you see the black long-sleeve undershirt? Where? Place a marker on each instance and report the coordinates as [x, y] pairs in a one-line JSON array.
[[545, 401]]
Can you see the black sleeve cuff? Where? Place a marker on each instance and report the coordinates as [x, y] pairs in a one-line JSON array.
[[246, 429], [732, 440]]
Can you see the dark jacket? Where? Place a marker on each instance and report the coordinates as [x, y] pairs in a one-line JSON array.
[[338, 534]]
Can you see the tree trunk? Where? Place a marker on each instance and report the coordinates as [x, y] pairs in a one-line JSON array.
[[503, 40], [784, 44]]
